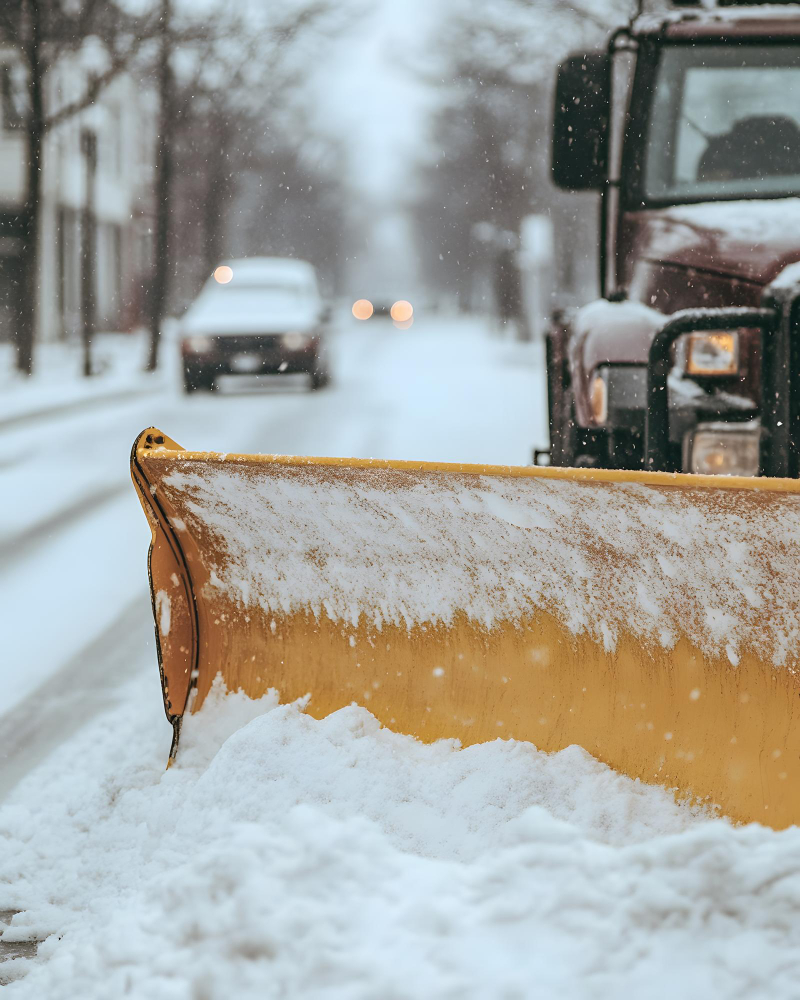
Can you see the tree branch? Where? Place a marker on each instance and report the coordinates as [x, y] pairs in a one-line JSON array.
[[10, 25], [119, 63]]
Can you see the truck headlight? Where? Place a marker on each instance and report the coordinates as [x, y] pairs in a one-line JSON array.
[[295, 341], [197, 345], [713, 354], [598, 397], [722, 449]]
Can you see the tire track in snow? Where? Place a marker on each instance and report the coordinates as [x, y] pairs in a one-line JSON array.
[[117, 395], [13, 949], [38, 534], [85, 686]]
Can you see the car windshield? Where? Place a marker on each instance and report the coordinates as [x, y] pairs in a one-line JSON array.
[[725, 123]]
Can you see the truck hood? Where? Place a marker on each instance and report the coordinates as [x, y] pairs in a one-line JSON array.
[[749, 240]]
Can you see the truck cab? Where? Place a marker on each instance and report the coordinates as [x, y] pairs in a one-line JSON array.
[[688, 125]]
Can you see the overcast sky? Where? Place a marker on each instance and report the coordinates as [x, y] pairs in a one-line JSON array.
[[367, 92]]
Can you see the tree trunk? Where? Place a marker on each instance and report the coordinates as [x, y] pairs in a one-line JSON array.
[[159, 286], [216, 190], [29, 258]]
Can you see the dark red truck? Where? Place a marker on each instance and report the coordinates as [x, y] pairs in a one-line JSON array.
[[688, 124]]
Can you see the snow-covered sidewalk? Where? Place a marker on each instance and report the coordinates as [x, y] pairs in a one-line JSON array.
[[58, 384], [286, 857]]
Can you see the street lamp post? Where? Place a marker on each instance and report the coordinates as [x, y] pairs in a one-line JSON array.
[[159, 286], [89, 150]]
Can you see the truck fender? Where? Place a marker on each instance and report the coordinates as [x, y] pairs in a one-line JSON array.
[[607, 333]]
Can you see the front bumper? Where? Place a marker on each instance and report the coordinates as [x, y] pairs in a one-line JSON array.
[[253, 354], [778, 320], [689, 405]]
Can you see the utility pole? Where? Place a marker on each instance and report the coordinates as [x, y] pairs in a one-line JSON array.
[[159, 285], [89, 255], [29, 258]]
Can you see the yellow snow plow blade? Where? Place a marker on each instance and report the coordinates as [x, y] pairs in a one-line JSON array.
[[650, 618]]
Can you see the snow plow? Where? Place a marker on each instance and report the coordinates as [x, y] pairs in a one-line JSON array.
[[651, 618]]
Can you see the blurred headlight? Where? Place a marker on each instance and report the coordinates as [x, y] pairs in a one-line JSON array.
[[198, 345], [713, 354], [295, 341], [401, 311], [362, 309], [721, 449]]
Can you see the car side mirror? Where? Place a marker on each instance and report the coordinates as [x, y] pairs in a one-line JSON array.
[[580, 122]]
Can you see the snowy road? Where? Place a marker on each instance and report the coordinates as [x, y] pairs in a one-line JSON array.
[[73, 538]]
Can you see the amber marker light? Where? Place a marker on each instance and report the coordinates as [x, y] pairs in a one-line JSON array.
[[362, 309], [223, 274], [402, 311]]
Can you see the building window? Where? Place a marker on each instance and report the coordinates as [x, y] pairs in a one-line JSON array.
[[12, 97]]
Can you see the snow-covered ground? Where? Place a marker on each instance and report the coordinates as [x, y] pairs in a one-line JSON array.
[[286, 857], [57, 384]]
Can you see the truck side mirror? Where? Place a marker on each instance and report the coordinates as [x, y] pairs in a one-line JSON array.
[[580, 122]]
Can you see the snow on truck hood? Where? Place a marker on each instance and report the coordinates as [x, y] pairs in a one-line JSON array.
[[246, 311], [751, 240]]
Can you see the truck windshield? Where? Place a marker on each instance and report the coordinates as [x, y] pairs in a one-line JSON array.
[[725, 123]]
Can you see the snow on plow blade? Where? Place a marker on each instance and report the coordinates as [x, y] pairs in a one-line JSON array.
[[650, 618]]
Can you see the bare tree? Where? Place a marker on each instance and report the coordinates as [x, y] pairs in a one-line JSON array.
[[42, 32], [231, 66], [488, 165], [237, 76]]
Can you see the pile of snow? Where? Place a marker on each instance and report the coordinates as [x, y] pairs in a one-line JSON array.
[[288, 857], [411, 547]]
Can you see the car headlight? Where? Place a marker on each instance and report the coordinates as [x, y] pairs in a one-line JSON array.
[[295, 341], [713, 353], [721, 449], [598, 397], [198, 345]]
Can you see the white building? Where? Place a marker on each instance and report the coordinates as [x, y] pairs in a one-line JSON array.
[[123, 120]]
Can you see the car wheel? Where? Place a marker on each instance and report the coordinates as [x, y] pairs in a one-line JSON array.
[[319, 380]]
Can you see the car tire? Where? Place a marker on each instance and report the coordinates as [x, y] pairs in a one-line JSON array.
[[319, 380]]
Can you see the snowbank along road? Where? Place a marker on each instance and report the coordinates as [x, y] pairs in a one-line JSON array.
[[285, 857]]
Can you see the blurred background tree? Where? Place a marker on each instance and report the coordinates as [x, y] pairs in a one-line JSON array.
[[237, 166], [252, 174], [489, 161], [42, 33]]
